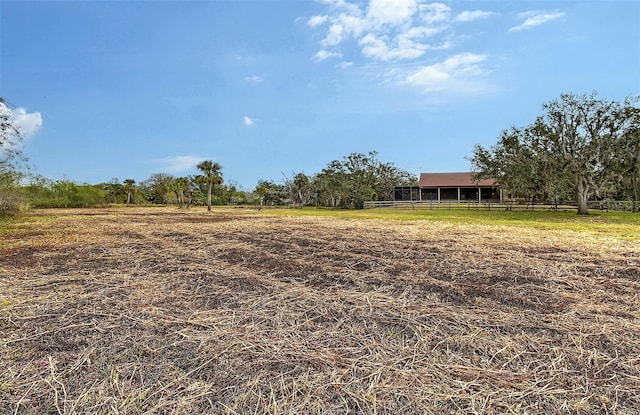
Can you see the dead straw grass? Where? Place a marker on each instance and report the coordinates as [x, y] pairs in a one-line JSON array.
[[136, 311]]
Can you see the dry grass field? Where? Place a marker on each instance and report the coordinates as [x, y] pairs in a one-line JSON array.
[[167, 311]]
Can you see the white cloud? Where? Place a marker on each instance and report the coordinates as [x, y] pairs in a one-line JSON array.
[[378, 48], [420, 32], [178, 164], [334, 36], [324, 54], [535, 18], [317, 20], [429, 76], [342, 5], [373, 46], [345, 65], [469, 16], [27, 123], [454, 73], [391, 11], [394, 31], [399, 30], [353, 25], [245, 60], [435, 13], [255, 79], [248, 121], [389, 30]]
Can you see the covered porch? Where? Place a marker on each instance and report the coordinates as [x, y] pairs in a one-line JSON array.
[[450, 187], [460, 194]]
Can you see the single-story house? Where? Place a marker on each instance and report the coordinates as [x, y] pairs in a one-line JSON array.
[[450, 187]]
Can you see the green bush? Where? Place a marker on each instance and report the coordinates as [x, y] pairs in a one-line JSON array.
[[64, 194]]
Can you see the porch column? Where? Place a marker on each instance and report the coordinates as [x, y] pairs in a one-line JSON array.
[[438, 195], [479, 195], [458, 195]]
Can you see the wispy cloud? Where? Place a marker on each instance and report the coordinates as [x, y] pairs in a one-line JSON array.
[[451, 74], [380, 48], [324, 54], [317, 20], [255, 79], [434, 13], [248, 121], [178, 164], [469, 16], [535, 18], [245, 60]]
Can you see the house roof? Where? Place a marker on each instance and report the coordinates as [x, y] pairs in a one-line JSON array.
[[464, 179]]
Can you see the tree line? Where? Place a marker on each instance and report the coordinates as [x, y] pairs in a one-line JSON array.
[[345, 183], [159, 188]]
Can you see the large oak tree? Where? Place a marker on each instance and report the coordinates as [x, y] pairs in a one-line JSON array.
[[580, 143], [357, 178]]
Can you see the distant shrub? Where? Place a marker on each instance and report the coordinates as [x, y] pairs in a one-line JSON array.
[[64, 194]]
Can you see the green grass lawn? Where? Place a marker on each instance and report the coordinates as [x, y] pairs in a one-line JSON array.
[[624, 225]]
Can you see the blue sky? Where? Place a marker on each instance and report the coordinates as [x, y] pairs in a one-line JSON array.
[[126, 89]]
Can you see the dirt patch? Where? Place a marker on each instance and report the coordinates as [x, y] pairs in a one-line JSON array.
[[172, 311]]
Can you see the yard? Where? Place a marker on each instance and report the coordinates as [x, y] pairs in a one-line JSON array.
[[160, 310]]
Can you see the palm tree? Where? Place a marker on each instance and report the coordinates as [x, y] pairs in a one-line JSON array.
[[176, 187], [211, 176], [181, 187], [130, 188]]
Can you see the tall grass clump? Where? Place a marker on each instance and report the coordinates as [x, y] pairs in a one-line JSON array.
[[10, 197]]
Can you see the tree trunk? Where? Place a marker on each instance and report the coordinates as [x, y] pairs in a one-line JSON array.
[[635, 189], [581, 197], [209, 197], [190, 199]]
